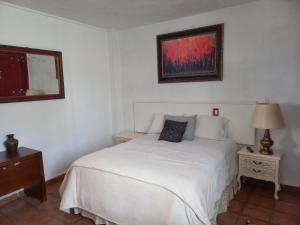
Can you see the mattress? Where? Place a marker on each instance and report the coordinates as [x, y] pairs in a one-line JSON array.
[[146, 181]]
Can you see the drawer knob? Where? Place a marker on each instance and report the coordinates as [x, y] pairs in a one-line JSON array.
[[256, 171], [3, 168], [17, 163]]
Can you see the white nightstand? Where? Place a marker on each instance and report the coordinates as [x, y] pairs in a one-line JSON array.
[[258, 166], [126, 136]]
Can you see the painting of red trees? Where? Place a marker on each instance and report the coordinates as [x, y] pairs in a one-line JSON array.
[[191, 55]]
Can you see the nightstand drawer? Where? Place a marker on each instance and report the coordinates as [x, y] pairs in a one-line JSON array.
[[256, 163], [258, 173]]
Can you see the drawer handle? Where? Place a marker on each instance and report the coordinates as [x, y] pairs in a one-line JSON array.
[[257, 163], [256, 171], [17, 163]]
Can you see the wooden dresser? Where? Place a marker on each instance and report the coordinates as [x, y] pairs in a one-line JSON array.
[[23, 170]]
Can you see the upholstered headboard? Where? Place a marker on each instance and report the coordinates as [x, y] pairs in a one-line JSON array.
[[239, 115]]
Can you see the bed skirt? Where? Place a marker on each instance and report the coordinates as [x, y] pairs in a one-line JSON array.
[[220, 206]]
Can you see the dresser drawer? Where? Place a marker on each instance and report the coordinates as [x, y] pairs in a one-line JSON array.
[[19, 174], [6, 171]]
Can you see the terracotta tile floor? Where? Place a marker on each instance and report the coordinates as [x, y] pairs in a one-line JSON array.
[[254, 201], [29, 211]]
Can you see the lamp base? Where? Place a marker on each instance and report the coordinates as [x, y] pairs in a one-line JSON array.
[[266, 143], [266, 151]]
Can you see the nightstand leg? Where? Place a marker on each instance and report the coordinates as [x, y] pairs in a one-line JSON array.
[[244, 179], [239, 182], [277, 188]]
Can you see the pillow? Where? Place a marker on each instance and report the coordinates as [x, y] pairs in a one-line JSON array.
[[157, 124], [173, 131], [211, 127], [189, 133]]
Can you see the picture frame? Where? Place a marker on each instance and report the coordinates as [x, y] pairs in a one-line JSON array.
[[191, 55]]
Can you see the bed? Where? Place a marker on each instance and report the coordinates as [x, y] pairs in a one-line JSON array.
[[146, 181]]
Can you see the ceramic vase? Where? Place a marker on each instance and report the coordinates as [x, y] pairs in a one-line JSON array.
[[11, 144]]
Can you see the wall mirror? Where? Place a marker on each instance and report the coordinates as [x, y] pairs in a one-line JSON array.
[[28, 74]]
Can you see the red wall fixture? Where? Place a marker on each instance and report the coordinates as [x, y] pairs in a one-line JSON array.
[[216, 112]]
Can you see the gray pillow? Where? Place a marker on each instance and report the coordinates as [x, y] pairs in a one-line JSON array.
[[189, 133]]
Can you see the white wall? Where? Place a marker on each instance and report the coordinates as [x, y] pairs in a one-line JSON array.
[[261, 61], [116, 81], [105, 72], [67, 128]]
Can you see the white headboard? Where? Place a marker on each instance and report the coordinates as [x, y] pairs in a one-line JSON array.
[[239, 115]]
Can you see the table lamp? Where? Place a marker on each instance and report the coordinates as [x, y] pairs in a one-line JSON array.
[[267, 116]]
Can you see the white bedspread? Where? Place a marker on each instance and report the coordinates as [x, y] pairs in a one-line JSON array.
[[146, 182]]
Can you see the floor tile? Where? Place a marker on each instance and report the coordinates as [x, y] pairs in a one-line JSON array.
[[52, 221], [228, 218], [51, 207], [236, 206], [4, 221], [84, 222], [242, 220], [53, 189], [265, 192], [21, 213], [284, 219], [262, 201], [13, 206], [289, 197], [257, 212], [243, 194], [285, 207], [11, 198]]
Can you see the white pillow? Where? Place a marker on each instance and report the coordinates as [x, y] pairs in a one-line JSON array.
[[211, 127], [157, 124]]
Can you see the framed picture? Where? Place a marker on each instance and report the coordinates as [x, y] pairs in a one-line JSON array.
[[191, 55]]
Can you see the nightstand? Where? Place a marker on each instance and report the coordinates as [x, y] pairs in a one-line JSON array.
[[259, 166], [126, 136]]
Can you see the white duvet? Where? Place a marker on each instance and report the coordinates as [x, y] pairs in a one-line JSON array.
[[146, 182]]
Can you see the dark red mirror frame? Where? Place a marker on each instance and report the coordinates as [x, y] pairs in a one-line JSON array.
[[59, 72]]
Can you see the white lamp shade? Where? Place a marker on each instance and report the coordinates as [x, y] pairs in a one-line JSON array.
[[267, 116]]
